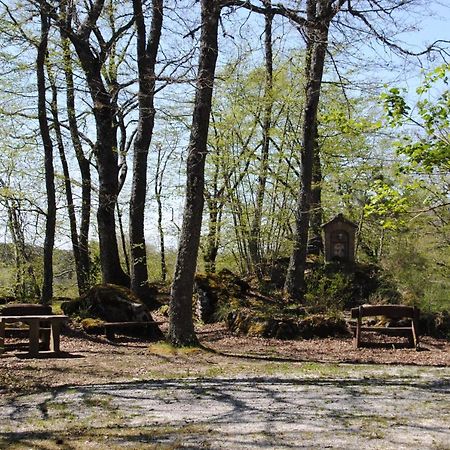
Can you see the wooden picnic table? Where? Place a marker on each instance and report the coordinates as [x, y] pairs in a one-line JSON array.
[[36, 323]]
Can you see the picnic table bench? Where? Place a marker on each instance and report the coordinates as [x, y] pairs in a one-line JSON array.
[[36, 323], [391, 312], [111, 328]]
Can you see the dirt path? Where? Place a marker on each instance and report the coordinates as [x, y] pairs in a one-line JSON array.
[[242, 393], [359, 406]]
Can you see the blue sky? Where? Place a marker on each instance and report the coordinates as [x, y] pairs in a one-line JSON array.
[[433, 26]]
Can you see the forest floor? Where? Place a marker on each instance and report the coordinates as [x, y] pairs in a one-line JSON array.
[[237, 392]]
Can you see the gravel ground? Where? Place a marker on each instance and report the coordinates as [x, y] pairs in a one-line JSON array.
[[379, 410], [238, 393]]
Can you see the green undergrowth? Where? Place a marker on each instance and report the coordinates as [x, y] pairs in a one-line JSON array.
[[258, 308]]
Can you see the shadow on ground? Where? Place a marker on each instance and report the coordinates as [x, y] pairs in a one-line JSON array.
[[391, 409]]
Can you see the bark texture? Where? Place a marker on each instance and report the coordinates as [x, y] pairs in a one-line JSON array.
[[315, 242], [318, 20], [181, 327], [146, 60], [47, 285], [106, 153]]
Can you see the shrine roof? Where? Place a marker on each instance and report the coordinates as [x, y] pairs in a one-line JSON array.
[[339, 219]]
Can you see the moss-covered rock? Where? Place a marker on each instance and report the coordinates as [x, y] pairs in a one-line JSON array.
[[322, 325], [215, 294], [331, 288], [246, 322], [111, 303], [308, 326], [93, 326], [435, 324]]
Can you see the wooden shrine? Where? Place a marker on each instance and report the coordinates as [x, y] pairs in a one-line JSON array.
[[340, 239]]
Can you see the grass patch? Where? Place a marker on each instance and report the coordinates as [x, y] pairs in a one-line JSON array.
[[103, 402], [165, 437], [165, 349]]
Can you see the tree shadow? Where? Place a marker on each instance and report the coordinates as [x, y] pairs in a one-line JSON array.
[[233, 410], [349, 360]]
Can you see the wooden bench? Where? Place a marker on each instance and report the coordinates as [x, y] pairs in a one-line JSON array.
[[35, 324], [391, 312], [111, 328]]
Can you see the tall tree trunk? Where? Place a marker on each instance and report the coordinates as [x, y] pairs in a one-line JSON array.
[[214, 202], [162, 248], [108, 170], [83, 267], [317, 40], [181, 327], [315, 242], [106, 151], [123, 240], [254, 244], [47, 285], [67, 184], [160, 169], [212, 239], [146, 60]]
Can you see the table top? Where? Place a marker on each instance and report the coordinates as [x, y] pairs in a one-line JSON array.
[[35, 317]]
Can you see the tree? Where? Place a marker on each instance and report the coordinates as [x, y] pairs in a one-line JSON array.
[[47, 286], [181, 328], [80, 240], [104, 98], [162, 160], [26, 284], [319, 14], [146, 60], [315, 24], [429, 150], [255, 228], [236, 162]]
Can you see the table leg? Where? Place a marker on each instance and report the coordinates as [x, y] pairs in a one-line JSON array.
[[44, 334], [34, 337], [2, 337], [54, 335]]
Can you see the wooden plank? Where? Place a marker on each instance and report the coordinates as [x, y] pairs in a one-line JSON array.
[[24, 318], [129, 324], [34, 337], [391, 311], [25, 309], [38, 325], [415, 334], [391, 331], [357, 340], [2, 336], [55, 327]]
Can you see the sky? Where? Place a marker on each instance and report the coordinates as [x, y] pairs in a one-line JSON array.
[[433, 26]]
